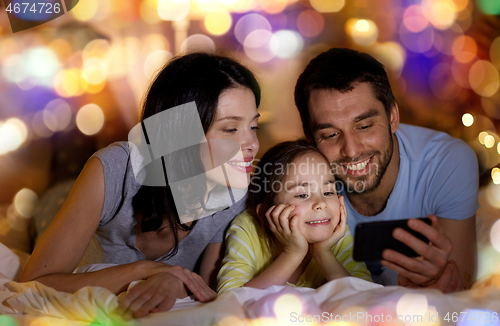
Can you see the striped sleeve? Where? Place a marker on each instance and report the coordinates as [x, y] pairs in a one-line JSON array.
[[343, 250], [239, 263]]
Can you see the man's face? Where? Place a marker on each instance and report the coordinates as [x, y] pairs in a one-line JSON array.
[[353, 131]]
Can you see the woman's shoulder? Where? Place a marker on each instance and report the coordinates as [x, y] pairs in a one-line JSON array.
[[115, 151]]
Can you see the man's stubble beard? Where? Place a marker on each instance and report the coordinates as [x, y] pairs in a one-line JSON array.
[[353, 188]]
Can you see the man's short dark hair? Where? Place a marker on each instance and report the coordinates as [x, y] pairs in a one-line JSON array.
[[341, 70]]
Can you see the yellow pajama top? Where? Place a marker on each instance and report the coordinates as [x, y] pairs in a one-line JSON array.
[[247, 256]]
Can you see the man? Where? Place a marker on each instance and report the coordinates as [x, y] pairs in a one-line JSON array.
[[393, 171]]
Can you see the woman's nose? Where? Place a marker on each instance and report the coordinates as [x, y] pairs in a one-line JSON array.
[[249, 142]]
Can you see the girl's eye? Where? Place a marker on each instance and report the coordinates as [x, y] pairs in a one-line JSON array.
[[329, 193], [301, 196]]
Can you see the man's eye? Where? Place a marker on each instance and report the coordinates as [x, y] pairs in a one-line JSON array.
[[365, 127]]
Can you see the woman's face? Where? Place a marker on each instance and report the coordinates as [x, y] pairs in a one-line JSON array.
[[233, 131]]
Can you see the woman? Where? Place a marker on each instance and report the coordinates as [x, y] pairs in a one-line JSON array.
[[155, 233]]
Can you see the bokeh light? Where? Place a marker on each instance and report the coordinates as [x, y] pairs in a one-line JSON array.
[[442, 83], [464, 49], [461, 71], [363, 31], [419, 42], [489, 141], [67, 83], [57, 115], [273, 6], [310, 23], [85, 10], [495, 52], [493, 198], [155, 61], [95, 71], [25, 202], [412, 304], [39, 127], [495, 235], [6, 320], [154, 42], [198, 43], [444, 39], [11, 136], [467, 119], [218, 22], [257, 47], [484, 78], [173, 10], [285, 305], [40, 63], [495, 175], [99, 49], [249, 23], [327, 6], [90, 119], [440, 13], [489, 7], [414, 19], [149, 12], [286, 44], [392, 55]]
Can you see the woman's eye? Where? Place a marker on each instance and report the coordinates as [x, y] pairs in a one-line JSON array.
[[230, 131], [255, 128], [301, 196]]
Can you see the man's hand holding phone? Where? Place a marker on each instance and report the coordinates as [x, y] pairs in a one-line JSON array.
[[433, 261]]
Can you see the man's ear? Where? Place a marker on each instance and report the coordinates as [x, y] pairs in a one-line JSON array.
[[394, 118]]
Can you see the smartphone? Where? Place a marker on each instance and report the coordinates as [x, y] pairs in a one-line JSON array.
[[373, 237]]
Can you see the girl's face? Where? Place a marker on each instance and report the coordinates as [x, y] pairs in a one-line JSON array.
[[310, 187], [233, 131]]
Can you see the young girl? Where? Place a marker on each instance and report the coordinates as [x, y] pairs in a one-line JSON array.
[[294, 231]]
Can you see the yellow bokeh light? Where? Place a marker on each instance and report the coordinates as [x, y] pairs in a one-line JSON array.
[[467, 119], [495, 175], [273, 6], [327, 6], [495, 52], [90, 119], [412, 304], [460, 4], [440, 13], [493, 195], [149, 13], [484, 78], [390, 54], [85, 10], [489, 141], [173, 10], [21, 126], [25, 202], [92, 88], [67, 83], [94, 71], [363, 31], [11, 137], [482, 136], [495, 235], [218, 22], [61, 48], [498, 148], [100, 49], [285, 305]]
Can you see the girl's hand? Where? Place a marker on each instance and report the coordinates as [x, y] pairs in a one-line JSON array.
[[286, 230], [325, 246]]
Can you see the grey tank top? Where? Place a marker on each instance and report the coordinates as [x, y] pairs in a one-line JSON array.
[[114, 240]]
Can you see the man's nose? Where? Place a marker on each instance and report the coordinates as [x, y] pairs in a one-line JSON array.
[[352, 147]]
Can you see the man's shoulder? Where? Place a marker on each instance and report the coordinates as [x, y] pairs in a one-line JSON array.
[[424, 144]]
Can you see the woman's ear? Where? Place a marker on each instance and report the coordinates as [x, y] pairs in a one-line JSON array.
[[258, 210]]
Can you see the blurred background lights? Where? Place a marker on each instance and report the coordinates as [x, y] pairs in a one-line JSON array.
[[273, 6], [440, 13], [85, 10], [442, 83], [173, 10], [218, 22], [327, 6], [418, 42], [95, 71], [39, 127], [493, 195], [57, 115], [489, 7], [257, 47], [482, 137], [11, 136], [464, 49], [489, 141], [412, 304], [41, 63], [25, 202], [495, 175], [414, 19], [467, 119], [286, 44], [391, 55], [249, 23], [99, 49], [198, 43], [495, 52], [495, 235], [155, 61], [285, 305], [310, 23], [363, 31], [484, 78], [12, 69], [90, 119]]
